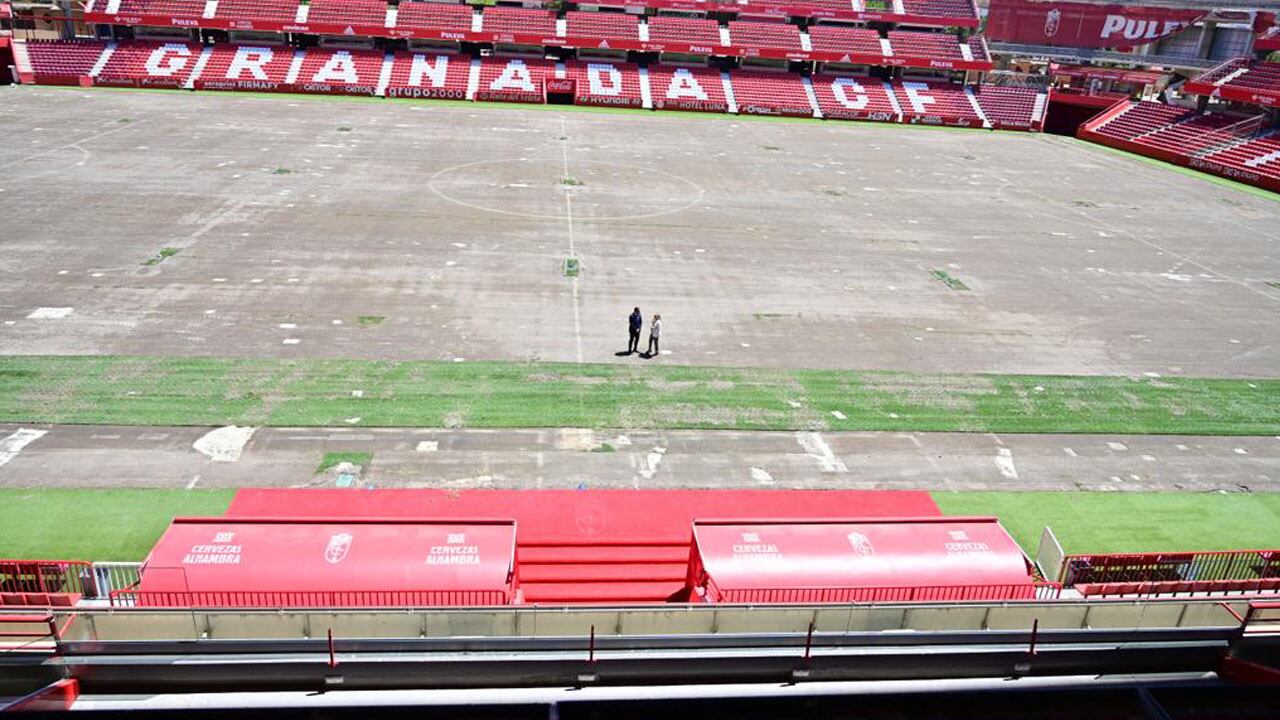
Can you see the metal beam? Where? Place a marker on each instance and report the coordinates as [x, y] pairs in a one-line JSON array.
[[1076, 55]]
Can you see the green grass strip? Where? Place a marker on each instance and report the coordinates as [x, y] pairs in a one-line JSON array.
[[145, 390], [1099, 522], [1189, 172], [95, 524]]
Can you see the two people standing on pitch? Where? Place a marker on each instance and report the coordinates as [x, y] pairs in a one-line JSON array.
[[634, 323]]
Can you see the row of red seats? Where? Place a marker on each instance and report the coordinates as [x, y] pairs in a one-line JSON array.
[[39, 599], [746, 34], [1177, 588], [442, 75]]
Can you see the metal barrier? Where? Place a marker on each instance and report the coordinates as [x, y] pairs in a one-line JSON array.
[[864, 595], [112, 578], [309, 599], [1169, 567], [28, 631], [44, 582]]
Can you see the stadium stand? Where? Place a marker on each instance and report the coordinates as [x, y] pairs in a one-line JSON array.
[[687, 88], [1241, 80], [246, 14], [513, 79], [952, 9], [429, 75], [855, 97], [193, 9], [371, 13], [601, 83], [934, 103], [343, 72], [682, 30], [62, 62], [246, 67], [512, 20], [605, 26], [148, 63], [1011, 108], [1230, 146], [770, 93], [844, 39], [434, 16], [926, 44], [764, 35]]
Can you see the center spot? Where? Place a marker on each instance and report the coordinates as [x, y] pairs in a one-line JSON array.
[[536, 187]]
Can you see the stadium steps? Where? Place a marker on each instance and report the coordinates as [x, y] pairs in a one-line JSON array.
[[612, 592], [637, 572], [606, 572]]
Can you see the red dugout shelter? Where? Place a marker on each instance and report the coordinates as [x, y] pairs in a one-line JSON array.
[[840, 561], [290, 562]]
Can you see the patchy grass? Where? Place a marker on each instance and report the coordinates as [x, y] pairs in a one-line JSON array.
[[772, 148], [1084, 203], [1088, 522], [604, 448], [571, 267], [95, 524], [142, 390], [344, 128], [1275, 284], [164, 254], [334, 459], [370, 320], [282, 171], [570, 181], [953, 283]]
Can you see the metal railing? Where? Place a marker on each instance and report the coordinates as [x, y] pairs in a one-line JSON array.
[[308, 599], [848, 595], [23, 582], [1170, 567]]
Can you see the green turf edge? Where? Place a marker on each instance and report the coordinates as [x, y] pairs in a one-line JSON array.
[[1189, 172], [1111, 522], [118, 524], [122, 524], [489, 105]]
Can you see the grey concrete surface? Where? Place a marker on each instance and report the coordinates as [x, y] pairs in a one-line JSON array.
[[761, 243], [106, 456]]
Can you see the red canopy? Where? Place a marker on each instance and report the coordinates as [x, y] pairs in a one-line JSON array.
[[309, 562], [857, 560]]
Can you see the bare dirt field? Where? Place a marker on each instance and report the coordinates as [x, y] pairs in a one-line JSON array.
[[305, 227]]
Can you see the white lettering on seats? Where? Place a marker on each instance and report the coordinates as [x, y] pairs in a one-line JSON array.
[[1263, 159], [168, 59], [422, 68], [594, 73], [514, 76], [684, 85], [840, 87], [916, 98], [338, 68], [251, 59]]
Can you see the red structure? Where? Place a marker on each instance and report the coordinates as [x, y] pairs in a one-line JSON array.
[[290, 562], [799, 561]]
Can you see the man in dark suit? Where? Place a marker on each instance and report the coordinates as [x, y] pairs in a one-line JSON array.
[[633, 327]]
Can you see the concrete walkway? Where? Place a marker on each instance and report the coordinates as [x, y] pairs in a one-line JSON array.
[[108, 456]]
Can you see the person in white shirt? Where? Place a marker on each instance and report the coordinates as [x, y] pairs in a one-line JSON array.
[[655, 332]]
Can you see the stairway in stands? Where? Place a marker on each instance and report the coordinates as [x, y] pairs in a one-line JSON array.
[[583, 571]]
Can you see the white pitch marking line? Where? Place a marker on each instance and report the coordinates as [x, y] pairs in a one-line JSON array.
[[818, 449], [192, 484], [1004, 461], [16, 441], [761, 476], [568, 216]]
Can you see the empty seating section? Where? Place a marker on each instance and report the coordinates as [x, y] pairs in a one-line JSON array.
[[930, 102], [1185, 588], [63, 59], [669, 28], [925, 44], [1259, 155], [1262, 76], [353, 71], [430, 75], [437, 16], [773, 35], [167, 8], [838, 38], [602, 25], [501, 19], [853, 97], [770, 93], [1007, 106], [513, 79], [799, 7], [1190, 135], [687, 88], [355, 12], [134, 62], [940, 8], [600, 83], [1222, 71], [978, 48], [1142, 118], [260, 10], [245, 67]]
